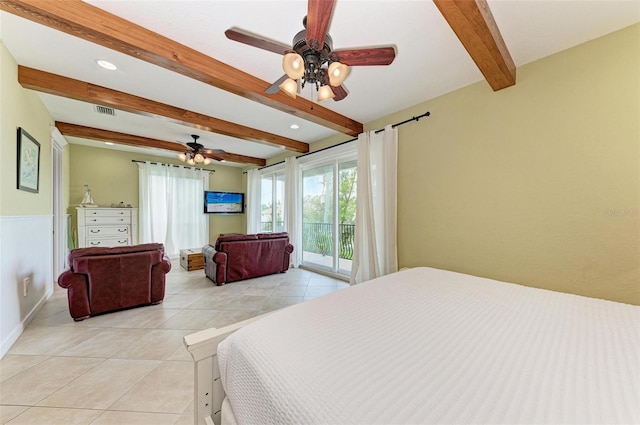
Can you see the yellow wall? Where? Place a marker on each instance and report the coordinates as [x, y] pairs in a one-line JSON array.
[[537, 184], [22, 108], [26, 220], [113, 178]]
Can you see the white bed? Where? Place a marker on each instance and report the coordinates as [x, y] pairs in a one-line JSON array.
[[425, 346]]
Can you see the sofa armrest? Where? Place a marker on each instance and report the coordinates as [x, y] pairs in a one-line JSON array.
[[70, 278], [76, 285], [215, 264], [286, 263], [158, 279], [220, 267], [164, 266]]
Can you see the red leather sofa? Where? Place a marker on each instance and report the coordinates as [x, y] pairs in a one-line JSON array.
[[101, 280], [238, 257]]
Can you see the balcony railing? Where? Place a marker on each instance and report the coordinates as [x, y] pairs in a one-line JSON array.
[[318, 237]]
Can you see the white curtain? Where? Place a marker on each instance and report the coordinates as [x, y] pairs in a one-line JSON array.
[[253, 200], [375, 246], [293, 212], [172, 206]]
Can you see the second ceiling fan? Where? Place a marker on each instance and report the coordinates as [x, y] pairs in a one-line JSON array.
[[197, 153], [311, 58]]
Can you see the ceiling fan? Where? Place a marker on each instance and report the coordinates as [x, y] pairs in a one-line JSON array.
[[197, 153], [311, 58]]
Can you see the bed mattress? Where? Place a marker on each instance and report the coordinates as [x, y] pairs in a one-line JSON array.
[[428, 346]]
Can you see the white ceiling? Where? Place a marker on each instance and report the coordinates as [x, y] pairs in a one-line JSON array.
[[430, 60]]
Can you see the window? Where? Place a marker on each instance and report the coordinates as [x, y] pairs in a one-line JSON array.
[[328, 192], [272, 202], [328, 215], [172, 205]]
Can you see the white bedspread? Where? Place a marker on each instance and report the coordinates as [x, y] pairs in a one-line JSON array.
[[427, 346]]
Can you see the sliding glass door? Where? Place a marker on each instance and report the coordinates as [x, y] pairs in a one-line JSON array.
[[272, 202], [328, 215]]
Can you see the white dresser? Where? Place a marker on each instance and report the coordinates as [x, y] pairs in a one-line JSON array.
[[107, 226]]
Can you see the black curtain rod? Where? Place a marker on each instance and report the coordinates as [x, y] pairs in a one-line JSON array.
[[172, 165], [426, 114]]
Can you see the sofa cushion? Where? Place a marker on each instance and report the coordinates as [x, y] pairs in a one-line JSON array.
[[93, 251], [273, 235], [232, 238]]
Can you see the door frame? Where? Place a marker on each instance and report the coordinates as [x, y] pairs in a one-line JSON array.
[[334, 156], [60, 249]]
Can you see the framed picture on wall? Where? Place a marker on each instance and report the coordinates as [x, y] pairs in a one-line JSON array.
[[28, 162]]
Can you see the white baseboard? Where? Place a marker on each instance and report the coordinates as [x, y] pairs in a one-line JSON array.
[[26, 250], [10, 339]]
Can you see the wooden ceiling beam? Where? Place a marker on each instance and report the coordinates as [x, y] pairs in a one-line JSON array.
[[474, 25], [91, 133], [93, 24], [79, 90]]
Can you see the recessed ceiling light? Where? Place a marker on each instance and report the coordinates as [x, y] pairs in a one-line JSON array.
[[106, 65], [294, 126], [109, 143]]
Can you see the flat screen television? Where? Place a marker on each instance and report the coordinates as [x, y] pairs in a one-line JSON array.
[[223, 202]]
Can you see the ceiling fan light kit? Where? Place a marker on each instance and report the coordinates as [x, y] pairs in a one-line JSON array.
[[311, 58], [337, 73], [325, 92], [293, 65], [290, 87], [198, 154]]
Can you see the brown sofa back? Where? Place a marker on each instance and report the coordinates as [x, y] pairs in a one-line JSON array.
[[107, 279], [239, 257], [93, 251]]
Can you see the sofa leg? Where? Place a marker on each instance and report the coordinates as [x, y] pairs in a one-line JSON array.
[[80, 319]]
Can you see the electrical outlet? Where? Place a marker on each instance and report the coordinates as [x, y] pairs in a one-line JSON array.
[[26, 284]]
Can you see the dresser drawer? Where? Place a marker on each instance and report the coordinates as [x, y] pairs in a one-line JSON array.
[[107, 212], [107, 227], [108, 242], [112, 231], [107, 220]]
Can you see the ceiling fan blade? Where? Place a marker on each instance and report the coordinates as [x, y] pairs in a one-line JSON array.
[[194, 146], [340, 93], [245, 37], [367, 56], [214, 157], [318, 18], [275, 87], [214, 151]]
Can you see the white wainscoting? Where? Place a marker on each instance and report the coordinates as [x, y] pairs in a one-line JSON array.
[[26, 250]]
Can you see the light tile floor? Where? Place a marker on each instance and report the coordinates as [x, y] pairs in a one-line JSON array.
[[131, 367]]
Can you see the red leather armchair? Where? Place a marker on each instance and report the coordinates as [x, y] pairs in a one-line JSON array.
[[101, 280], [238, 257]]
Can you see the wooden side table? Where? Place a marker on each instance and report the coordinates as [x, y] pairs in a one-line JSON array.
[[191, 259]]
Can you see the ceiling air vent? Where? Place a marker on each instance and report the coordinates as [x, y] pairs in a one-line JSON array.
[[106, 111]]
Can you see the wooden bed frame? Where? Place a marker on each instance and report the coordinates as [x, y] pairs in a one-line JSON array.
[[208, 391]]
